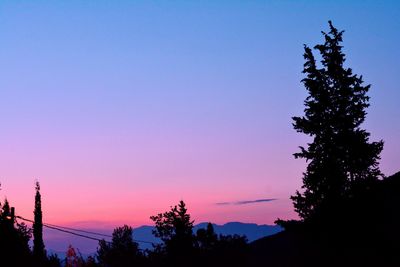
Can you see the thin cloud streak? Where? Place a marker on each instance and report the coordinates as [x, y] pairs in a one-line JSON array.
[[245, 202]]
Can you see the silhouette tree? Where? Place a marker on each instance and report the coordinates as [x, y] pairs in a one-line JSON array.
[[207, 238], [14, 238], [222, 250], [39, 252], [122, 251], [340, 155], [175, 229], [231, 250]]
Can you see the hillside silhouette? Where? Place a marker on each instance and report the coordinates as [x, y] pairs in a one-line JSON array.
[[364, 232]]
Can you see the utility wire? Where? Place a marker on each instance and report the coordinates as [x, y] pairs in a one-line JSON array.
[[69, 230], [62, 230], [78, 230]]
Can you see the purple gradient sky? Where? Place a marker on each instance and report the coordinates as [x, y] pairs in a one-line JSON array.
[[122, 108]]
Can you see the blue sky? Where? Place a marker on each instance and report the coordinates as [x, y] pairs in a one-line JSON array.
[[175, 99]]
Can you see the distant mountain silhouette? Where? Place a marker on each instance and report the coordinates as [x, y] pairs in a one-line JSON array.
[[251, 230], [365, 233], [58, 242]]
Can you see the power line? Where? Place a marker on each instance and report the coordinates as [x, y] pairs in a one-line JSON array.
[[62, 230], [69, 230], [78, 230]]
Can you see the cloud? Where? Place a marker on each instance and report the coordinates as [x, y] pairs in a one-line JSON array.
[[245, 202]]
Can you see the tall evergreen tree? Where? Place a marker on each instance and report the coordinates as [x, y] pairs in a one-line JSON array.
[[38, 244], [174, 226], [175, 229], [340, 155]]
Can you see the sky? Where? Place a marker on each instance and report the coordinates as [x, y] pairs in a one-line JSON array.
[[122, 108]]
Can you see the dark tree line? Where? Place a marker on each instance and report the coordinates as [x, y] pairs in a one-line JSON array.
[[180, 245]]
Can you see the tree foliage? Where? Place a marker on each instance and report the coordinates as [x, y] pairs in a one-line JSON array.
[[14, 238], [222, 250], [207, 238], [175, 229], [181, 247], [340, 155], [122, 251], [39, 252]]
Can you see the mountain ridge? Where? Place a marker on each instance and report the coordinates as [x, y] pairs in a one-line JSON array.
[[57, 242]]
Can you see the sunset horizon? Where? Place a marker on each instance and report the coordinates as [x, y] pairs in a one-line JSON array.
[[120, 110]]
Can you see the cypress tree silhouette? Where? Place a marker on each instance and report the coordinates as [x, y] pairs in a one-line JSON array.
[[340, 155], [39, 252]]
